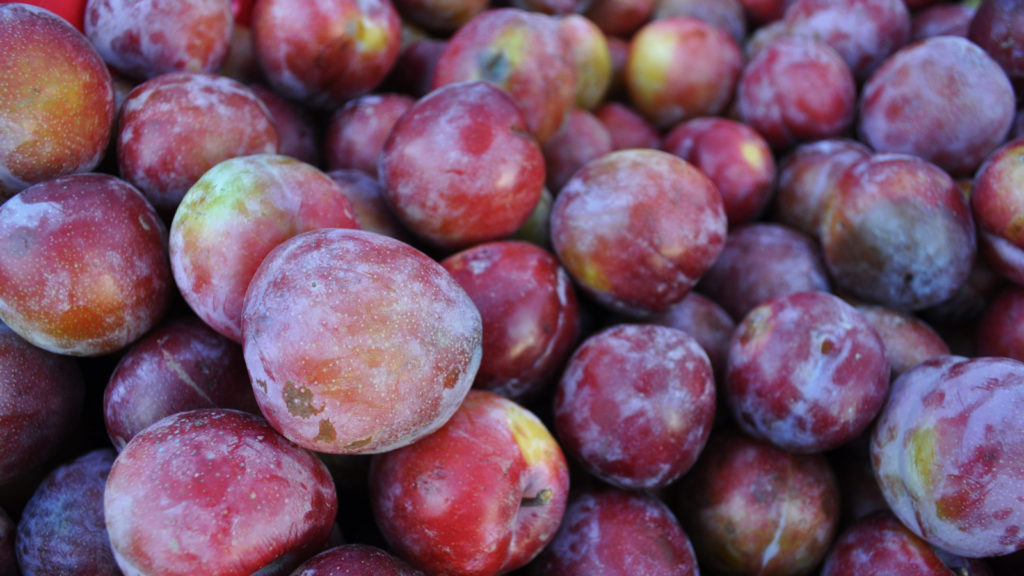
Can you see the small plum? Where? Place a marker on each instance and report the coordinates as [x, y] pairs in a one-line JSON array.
[[807, 372], [627, 128], [355, 560], [356, 131], [635, 405], [999, 330], [638, 249], [582, 139], [908, 340]]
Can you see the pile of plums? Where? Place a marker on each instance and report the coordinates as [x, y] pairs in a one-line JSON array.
[[531, 287]]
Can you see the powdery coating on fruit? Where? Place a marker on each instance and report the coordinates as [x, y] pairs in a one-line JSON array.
[[907, 339], [637, 228], [175, 127], [709, 324], [996, 203], [635, 405], [62, 528], [947, 455], [762, 262], [617, 532], [807, 176], [460, 167], [530, 314], [734, 156], [897, 231], [146, 38], [182, 365], [255, 201], [483, 495], [523, 53], [84, 269], [582, 139], [797, 89], [355, 560], [879, 545], [56, 101], [863, 32], [668, 84], [356, 132], [324, 52], [356, 342], [215, 492], [779, 521], [41, 397], [942, 99], [807, 372]]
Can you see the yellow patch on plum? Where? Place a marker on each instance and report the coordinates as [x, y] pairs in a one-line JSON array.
[[753, 155], [921, 451], [533, 438]]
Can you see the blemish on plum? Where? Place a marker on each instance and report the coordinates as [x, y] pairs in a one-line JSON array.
[[327, 433], [299, 400]]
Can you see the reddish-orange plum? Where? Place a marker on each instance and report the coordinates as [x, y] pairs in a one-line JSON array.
[[998, 207], [356, 132], [591, 57], [356, 342], [48, 294], [57, 103]]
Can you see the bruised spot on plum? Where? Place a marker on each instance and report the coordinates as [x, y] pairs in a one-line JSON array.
[[494, 67], [262, 384], [359, 443], [299, 400], [326, 433]]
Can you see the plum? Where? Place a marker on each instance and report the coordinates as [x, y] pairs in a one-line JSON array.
[[942, 19], [460, 166], [635, 405], [297, 132], [667, 84], [879, 545], [897, 231], [529, 311], [366, 195], [620, 18], [963, 104], [590, 56], [183, 364], [57, 104], [611, 531], [947, 455], [709, 324], [324, 53], [176, 126], [583, 138], [638, 249], [752, 508], [62, 528], [627, 128], [440, 17], [725, 14], [357, 130], [41, 401], [762, 261], [48, 231], [357, 342], [996, 27], [797, 89], [216, 491], [143, 39], [998, 206], [908, 340], [863, 32], [807, 372], [355, 560], [999, 328], [524, 53]]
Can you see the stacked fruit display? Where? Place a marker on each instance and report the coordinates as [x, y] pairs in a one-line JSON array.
[[538, 287]]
